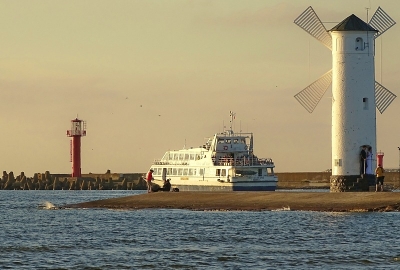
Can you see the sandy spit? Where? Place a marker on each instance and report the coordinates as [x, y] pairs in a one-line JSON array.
[[254, 201]]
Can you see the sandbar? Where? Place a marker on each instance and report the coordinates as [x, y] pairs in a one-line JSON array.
[[254, 201]]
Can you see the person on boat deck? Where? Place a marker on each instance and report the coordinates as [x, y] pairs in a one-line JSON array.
[[149, 177]]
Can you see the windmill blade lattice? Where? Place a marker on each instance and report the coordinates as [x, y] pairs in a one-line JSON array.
[[381, 21], [309, 22], [310, 96], [383, 97]]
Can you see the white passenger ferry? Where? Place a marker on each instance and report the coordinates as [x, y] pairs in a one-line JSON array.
[[226, 162]]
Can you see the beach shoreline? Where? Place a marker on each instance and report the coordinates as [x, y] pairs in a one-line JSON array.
[[254, 201]]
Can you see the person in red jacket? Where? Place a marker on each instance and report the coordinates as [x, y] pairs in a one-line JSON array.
[[149, 177]]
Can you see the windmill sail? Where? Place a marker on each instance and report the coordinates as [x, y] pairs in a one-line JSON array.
[[310, 96], [383, 97], [309, 22], [381, 22]]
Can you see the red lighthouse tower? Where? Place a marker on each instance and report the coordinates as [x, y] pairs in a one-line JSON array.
[[78, 129]]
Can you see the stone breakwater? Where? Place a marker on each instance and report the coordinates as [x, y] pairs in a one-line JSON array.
[[135, 181], [47, 181]]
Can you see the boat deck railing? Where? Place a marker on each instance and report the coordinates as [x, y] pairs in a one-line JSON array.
[[224, 161], [244, 161]]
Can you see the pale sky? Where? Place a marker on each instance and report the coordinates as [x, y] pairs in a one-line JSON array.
[[151, 76]]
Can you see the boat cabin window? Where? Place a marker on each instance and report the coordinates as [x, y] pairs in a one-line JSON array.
[[169, 172], [220, 140], [191, 156], [180, 171], [186, 156], [228, 140], [235, 141], [259, 172], [220, 172], [171, 156], [185, 171], [176, 156], [201, 171], [181, 156], [243, 140], [190, 171], [174, 171]]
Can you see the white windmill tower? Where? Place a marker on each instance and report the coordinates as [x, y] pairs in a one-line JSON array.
[[355, 93]]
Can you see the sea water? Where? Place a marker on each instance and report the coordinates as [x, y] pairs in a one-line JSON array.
[[35, 234]]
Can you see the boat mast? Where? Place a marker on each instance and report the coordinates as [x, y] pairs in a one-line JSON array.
[[232, 116]]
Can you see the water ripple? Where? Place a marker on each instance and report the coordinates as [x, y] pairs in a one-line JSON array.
[[181, 239]]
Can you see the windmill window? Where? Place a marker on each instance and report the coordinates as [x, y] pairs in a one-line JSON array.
[[365, 103], [338, 162], [359, 44]]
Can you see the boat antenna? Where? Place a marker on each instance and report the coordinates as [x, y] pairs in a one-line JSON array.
[[233, 116]]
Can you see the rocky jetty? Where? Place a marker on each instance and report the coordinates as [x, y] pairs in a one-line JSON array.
[[47, 181]]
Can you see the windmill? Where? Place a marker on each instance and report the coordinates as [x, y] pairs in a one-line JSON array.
[[355, 93]]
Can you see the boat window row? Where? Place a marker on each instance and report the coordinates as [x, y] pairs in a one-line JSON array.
[[229, 141], [179, 171], [187, 171], [181, 156]]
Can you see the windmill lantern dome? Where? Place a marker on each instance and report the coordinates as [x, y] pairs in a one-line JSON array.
[[353, 35], [353, 23]]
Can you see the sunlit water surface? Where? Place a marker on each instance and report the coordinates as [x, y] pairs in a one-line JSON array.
[[33, 236]]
